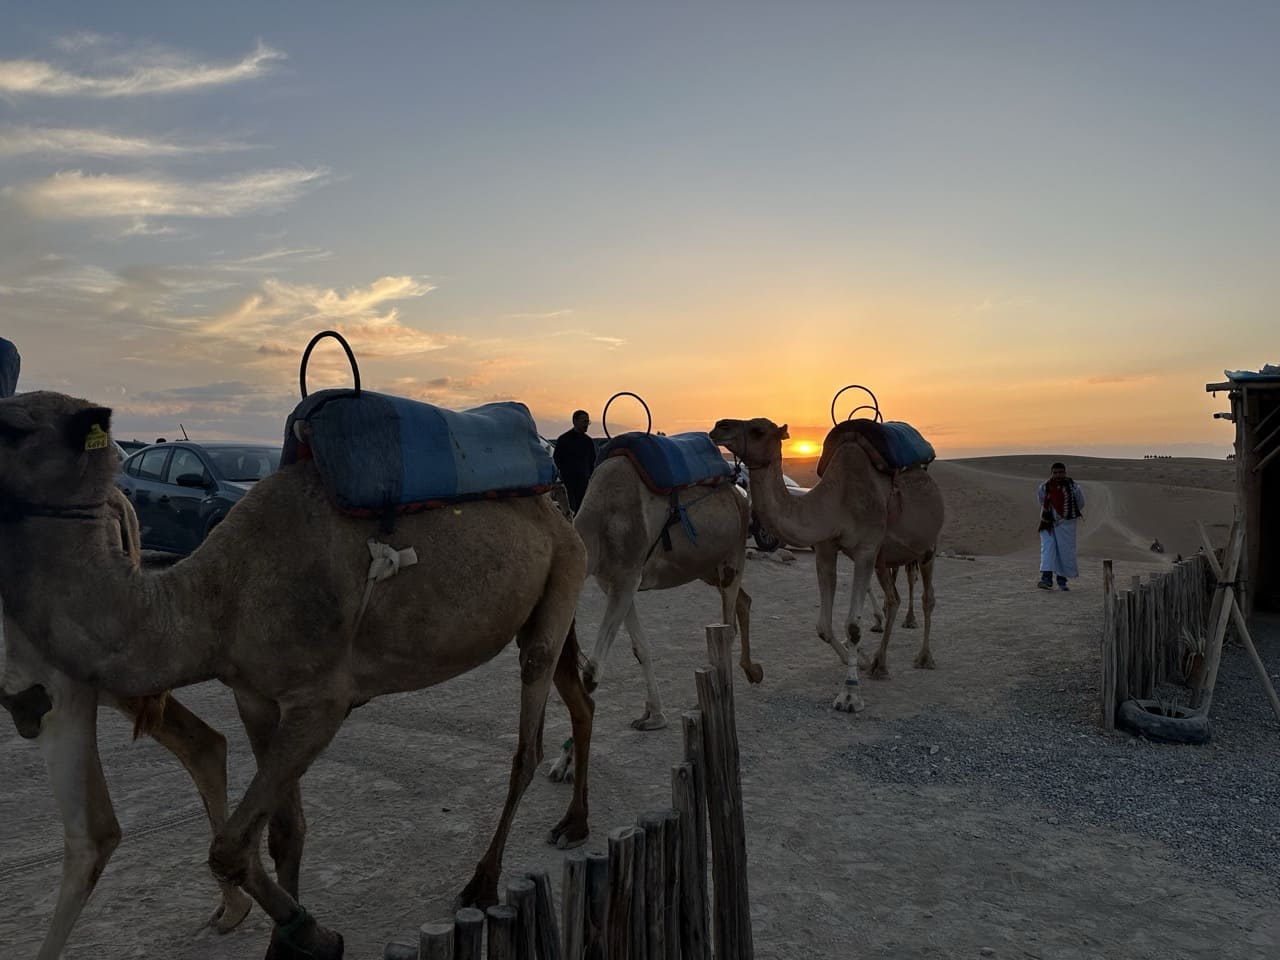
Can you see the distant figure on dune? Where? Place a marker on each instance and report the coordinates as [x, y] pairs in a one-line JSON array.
[[10, 363], [1061, 504], [575, 458], [1157, 546]]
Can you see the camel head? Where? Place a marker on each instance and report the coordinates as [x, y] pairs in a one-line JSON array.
[[757, 443], [55, 451]]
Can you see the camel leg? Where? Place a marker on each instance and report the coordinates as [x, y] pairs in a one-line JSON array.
[[287, 828], [825, 560], [653, 717], [540, 642], [306, 727], [849, 700], [621, 595], [572, 829], [924, 659], [913, 570], [878, 626], [68, 740], [878, 668], [203, 752], [742, 609]]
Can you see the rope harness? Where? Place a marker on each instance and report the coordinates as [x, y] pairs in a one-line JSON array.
[[677, 513]]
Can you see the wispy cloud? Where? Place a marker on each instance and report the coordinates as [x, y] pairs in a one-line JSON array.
[[1104, 379], [275, 259], [139, 72], [611, 342], [74, 195], [279, 316], [72, 141]]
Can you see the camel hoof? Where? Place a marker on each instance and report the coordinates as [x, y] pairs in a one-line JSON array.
[[649, 721], [877, 628], [924, 661], [311, 941], [569, 833], [589, 678], [754, 672], [481, 892], [849, 701], [561, 771], [909, 623], [235, 906]]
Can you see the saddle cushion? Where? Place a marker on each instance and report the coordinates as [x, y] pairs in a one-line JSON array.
[[892, 446], [378, 453], [669, 463]]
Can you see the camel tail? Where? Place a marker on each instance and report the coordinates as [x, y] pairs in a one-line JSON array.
[[147, 713]]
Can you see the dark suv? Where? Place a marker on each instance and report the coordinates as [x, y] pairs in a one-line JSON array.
[[182, 490]]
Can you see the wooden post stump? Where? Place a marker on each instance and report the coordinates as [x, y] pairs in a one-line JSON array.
[[501, 922], [695, 941], [731, 911], [522, 896], [435, 941], [595, 937], [626, 932], [468, 934], [546, 930], [573, 905]]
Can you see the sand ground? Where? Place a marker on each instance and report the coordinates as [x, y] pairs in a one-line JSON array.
[[842, 863]]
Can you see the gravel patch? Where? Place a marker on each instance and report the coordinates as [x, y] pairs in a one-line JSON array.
[[1216, 807]]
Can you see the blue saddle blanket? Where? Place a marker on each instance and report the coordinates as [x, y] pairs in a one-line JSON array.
[[894, 445], [668, 463], [380, 453]]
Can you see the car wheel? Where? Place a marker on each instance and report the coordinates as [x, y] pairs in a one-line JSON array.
[[765, 540]]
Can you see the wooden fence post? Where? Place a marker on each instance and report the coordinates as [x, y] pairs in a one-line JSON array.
[[522, 896], [654, 826], [435, 941], [468, 934], [732, 904], [501, 921], [573, 905], [1108, 647], [695, 944], [546, 930], [595, 937], [626, 930]]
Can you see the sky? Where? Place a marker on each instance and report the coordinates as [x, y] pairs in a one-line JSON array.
[[1027, 227]]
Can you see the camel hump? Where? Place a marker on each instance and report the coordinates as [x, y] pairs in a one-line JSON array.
[[891, 446], [378, 453], [669, 463]]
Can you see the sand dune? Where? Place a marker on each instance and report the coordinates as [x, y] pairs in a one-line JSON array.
[[991, 506]]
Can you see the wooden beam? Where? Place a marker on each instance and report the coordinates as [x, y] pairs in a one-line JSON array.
[[1262, 424], [1257, 467], [1219, 614]]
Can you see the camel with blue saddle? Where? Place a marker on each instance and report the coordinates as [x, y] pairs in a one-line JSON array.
[[660, 512], [874, 502], [315, 594]]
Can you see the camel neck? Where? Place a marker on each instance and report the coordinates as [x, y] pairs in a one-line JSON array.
[[785, 514], [99, 619]]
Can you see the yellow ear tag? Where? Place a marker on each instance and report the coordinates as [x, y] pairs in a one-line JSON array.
[[97, 439]]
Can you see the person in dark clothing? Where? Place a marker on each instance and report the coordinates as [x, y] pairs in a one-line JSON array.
[[575, 458], [10, 363]]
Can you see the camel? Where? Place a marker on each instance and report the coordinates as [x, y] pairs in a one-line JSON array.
[[275, 605], [621, 522], [878, 521], [61, 715]]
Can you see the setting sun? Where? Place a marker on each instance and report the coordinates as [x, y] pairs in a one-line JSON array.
[[804, 449]]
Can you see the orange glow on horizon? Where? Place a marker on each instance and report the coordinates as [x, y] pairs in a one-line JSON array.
[[803, 448]]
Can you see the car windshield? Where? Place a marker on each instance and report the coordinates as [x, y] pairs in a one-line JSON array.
[[245, 464]]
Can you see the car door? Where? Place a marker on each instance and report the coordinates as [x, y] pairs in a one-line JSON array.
[[186, 503], [150, 499]]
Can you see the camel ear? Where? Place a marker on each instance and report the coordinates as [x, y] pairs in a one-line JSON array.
[[15, 422], [87, 429], [782, 433]]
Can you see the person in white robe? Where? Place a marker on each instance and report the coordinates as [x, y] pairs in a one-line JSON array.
[[1061, 506]]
